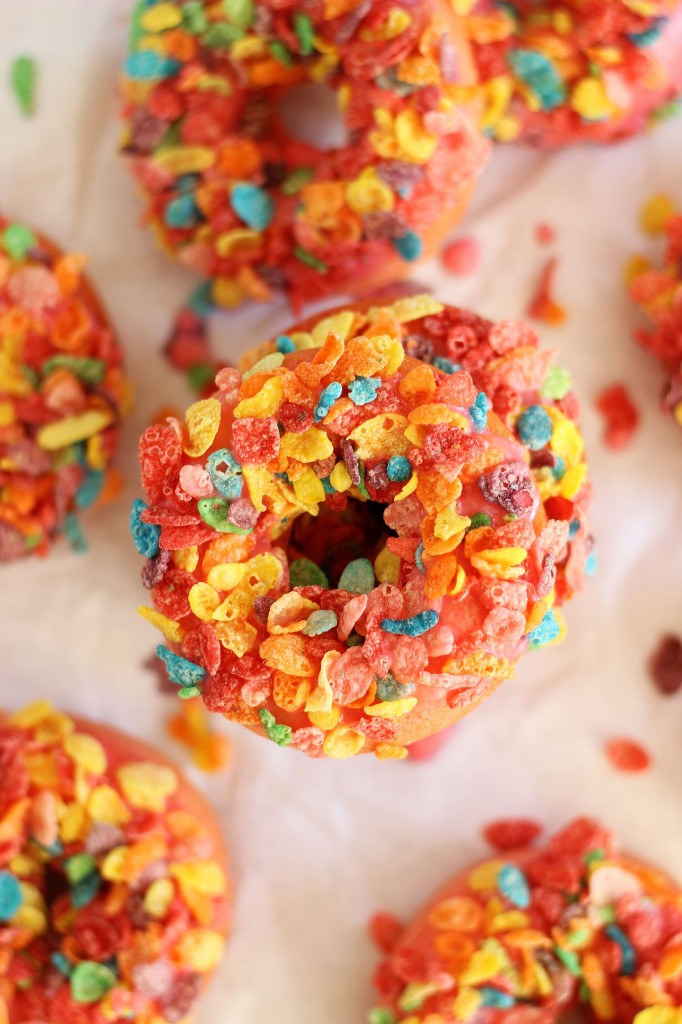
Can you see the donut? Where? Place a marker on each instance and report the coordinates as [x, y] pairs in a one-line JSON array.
[[658, 293], [346, 547], [234, 196], [114, 899], [62, 395], [523, 937], [556, 73]]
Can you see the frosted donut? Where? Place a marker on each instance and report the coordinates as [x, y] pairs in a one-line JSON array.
[[346, 547], [114, 899], [556, 73], [236, 198], [62, 395], [527, 934]]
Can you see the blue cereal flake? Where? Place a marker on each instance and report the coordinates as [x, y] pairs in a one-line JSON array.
[[650, 35], [326, 400], [591, 564], [284, 344], [320, 622], [145, 535], [225, 473], [409, 246], [398, 469], [419, 558], [85, 891], [180, 671], [573, 528], [91, 488], [10, 896], [147, 65], [182, 212], [446, 365], [414, 626], [363, 390], [357, 577], [534, 427], [513, 885], [544, 632], [253, 206], [540, 75], [479, 411], [390, 689], [74, 534], [628, 956], [495, 998]]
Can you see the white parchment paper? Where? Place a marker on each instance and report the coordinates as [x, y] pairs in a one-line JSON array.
[[316, 847]]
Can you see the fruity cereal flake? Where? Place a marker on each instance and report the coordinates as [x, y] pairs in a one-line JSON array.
[[235, 197], [527, 936], [62, 395], [558, 72], [114, 902], [347, 547]]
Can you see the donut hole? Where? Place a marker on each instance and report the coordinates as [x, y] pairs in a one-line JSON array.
[[333, 539], [310, 113]]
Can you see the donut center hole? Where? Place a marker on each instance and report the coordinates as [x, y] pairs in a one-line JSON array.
[[310, 113], [333, 539]]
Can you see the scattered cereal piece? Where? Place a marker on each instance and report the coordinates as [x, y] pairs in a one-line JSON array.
[[620, 415], [462, 257], [626, 755], [542, 306], [23, 77], [666, 665]]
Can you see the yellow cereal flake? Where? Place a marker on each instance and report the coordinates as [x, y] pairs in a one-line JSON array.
[[339, 324], [310, 446], [381, 437], [369, 194], [160, 18], [392, 708], [105, 804], [86, 751], [390, 751], [199, 949], [178, 160], [390, 352], [238, 637], [204, 876], [186, 558], [466, 1003], [203, 600], [320, 700], [158, 898], [32, 715], [590, 99], [264, 403], [172, 631], [409, 488], [309, 490], [227, 575], [201, 426], [500, 563], [340, 478], [289, 613], [656, 213], [343, 742], [386, 566], [72, 429], [449, 524], [146, 785]]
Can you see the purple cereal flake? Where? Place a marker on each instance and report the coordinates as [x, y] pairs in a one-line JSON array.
[[399, 174], [242, 514], [418, 347], [351, 461], [147, 132], [154, 569], [509, 486], [377, 478], [547, 578], [26, 457], [262, 606], [153, 979], [181, 997], [102, 838], [383, 226], [274, 277]]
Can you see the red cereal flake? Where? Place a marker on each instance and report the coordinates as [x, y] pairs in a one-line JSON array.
[[542, 306], [545, 234], [665, 665], [385, 930], [626, 755], [620, 415], [462, 257], [511, 833], [255, 441]]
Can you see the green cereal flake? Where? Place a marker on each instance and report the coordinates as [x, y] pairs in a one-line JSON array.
[[23, 75]]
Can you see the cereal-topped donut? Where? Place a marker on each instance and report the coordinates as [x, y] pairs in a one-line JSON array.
[[532, 395], [238, 199], [114, 899], [346, 547], [524, 936], [566, 71], [62, 395], [657, 290]]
